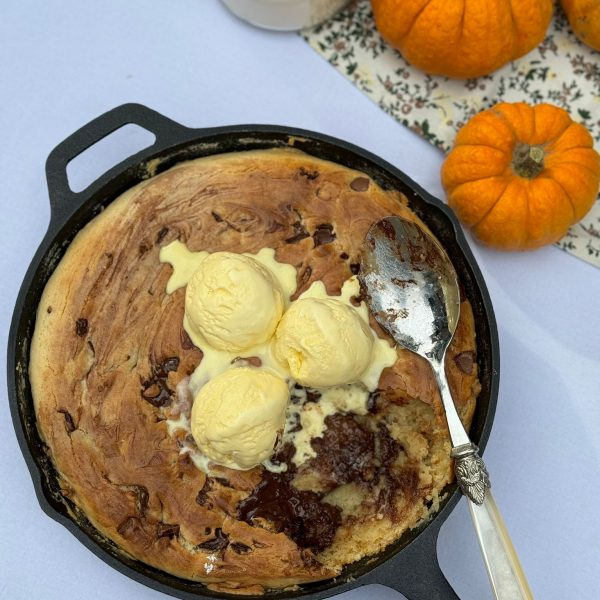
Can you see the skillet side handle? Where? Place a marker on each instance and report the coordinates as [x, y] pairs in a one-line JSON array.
[[62, 197], [416, 572]]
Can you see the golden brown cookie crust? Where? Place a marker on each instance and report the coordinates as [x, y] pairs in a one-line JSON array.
[[105, 325]]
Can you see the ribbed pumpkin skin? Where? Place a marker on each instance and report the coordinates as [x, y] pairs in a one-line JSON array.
[[513, 203], [462, 38], [584, 17]]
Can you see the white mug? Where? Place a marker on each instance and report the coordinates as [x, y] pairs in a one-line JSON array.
[[284, 15]]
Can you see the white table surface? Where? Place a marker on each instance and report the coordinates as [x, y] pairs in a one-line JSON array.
[[63, 63]]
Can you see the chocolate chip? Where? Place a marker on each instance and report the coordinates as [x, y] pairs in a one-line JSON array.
[[186, 341], [128, 526], [355, 268], [297, 426], [207, 530], [357, 300], [305, 276], [167, 530], [81, 327], [141, 499], [344, 256], [69, 423], [312, 395], [156, 392], [464, 361], [219, 219], [360, 184], [285, 455], [299, 233], [160, 236], [224, 482], [323, 234], [240, 548], [167, 366], [216, 544], [49, 310], [310, 175], [202, 496], [372, 402]]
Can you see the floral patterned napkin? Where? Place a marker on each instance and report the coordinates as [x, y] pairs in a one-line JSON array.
[[561, 71]]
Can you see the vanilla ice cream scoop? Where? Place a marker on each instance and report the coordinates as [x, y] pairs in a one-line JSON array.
[[323, 342], [233, 302], [238, 415]]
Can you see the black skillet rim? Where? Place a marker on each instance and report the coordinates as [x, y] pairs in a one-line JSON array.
[[173, 144]]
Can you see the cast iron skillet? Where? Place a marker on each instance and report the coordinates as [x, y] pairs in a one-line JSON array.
[[410, 565]]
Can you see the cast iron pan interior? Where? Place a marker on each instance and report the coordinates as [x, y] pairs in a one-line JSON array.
[[410, 565]]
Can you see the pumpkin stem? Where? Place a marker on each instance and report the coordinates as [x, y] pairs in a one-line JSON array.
[[528, 161]]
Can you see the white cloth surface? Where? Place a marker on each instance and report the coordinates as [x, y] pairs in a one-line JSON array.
[[64, 63]]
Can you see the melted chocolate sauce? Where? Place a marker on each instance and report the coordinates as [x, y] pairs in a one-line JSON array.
[[301, 515], [346, 452]]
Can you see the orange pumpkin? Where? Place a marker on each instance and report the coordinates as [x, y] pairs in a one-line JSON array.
[[584, 17], [519, 176], [462, 39]]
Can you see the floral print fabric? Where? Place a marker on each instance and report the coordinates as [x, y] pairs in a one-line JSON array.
[[561, 71]]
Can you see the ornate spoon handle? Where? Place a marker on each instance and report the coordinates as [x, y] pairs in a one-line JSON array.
[[504, 569], [502, 563]]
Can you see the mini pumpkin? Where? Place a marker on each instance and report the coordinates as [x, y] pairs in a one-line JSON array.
[[584, 17], [519, 176], [462, 39]]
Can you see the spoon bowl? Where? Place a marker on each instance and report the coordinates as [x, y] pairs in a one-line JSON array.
[[411, 285]]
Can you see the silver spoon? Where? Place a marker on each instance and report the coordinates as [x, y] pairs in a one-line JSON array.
[[412, 291]]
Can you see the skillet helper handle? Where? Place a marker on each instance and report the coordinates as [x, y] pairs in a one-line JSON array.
[[504, 569], [164, 129]]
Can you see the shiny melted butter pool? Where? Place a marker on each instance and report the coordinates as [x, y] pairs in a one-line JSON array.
[[310, 415]]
